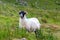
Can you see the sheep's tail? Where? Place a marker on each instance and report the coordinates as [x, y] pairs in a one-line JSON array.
[[38, 35]]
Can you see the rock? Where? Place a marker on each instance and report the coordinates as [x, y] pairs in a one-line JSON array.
[[23, 39], [19, 39], [15, 39], [22, 2], [1, 2]]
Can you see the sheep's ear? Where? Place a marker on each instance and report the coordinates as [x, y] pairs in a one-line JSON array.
[[19, 12], [26, 12]]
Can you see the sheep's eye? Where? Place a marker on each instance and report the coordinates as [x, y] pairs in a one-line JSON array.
[[20, 13], [24, 13]]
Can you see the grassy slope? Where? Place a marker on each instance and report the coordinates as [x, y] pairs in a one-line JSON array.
[[9, 21]]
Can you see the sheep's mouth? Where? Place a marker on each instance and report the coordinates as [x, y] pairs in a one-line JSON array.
[[22, 17]]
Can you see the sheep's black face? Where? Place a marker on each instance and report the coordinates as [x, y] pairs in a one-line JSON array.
[[22, 13]]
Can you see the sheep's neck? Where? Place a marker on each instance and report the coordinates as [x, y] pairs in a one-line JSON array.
[[24, 20]]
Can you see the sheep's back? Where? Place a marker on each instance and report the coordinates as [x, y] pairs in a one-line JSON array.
[[34, 23]]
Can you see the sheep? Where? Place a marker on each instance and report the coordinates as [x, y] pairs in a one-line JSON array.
[[31, 24]]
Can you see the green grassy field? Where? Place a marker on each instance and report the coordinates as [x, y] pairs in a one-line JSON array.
[[48, 15]]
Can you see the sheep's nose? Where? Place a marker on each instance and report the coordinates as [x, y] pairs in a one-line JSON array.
[[21, 15]]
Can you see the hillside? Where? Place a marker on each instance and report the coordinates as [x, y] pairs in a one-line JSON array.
[[42, 4], [47, 11]]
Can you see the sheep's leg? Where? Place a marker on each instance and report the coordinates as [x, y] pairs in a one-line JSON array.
[[36, 33]]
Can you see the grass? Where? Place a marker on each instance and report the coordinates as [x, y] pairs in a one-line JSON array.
[[9, 19]]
